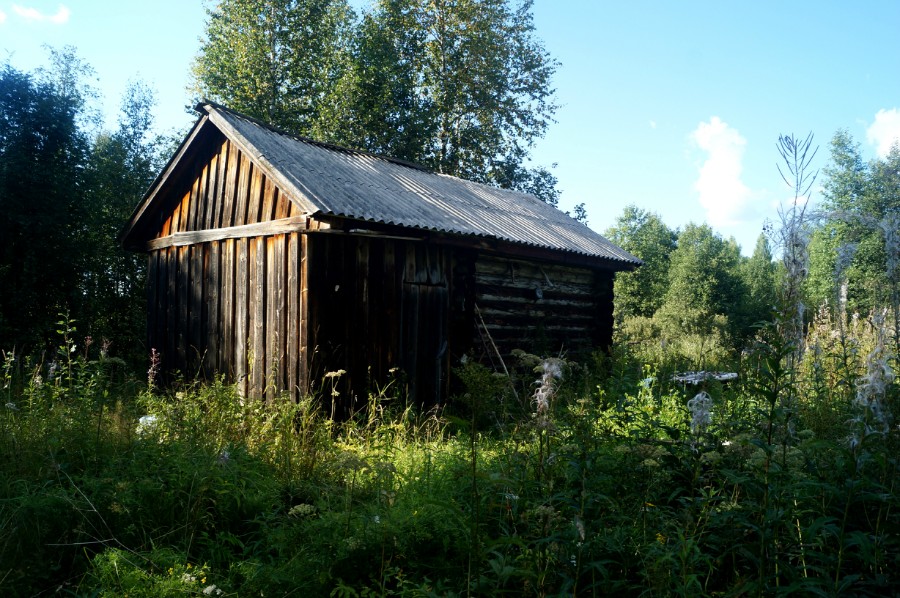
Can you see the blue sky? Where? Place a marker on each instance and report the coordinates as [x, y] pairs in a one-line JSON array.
[[673, 106]]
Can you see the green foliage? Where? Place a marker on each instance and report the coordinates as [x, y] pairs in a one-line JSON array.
[[703, 278], [759, 276], [633, 484], [276, 60], [65, 190], [42, 152], [695, 298], [162, 573], [856, 240], [703, 311], [120, 168], [463, 87], [486, 399], [644, 235], [481, 83], [672, 344]]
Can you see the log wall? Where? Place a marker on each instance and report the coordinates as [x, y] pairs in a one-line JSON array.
[[542, 308]]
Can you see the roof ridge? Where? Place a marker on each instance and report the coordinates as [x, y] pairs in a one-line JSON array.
[[201, 107], [332, 180]]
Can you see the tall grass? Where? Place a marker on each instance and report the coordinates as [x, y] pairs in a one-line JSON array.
[[577, 479]]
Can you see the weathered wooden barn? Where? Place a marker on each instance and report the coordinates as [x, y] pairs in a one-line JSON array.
[[275, 259]]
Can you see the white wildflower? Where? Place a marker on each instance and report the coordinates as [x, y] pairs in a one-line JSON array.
[[701, 412], [550, 369], [579, 527], [147, 424], [302, 510]]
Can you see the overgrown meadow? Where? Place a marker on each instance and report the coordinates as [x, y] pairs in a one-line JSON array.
[[565, 479]]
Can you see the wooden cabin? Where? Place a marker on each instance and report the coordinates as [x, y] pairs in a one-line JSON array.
[[275, 259]]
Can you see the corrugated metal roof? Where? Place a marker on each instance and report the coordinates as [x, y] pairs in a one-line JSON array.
[[352, 184]]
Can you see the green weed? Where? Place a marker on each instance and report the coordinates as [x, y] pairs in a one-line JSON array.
[[569, 480]]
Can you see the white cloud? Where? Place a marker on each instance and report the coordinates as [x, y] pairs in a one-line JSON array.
[[885, 131], [2, 17], [652, 124], [32, 14], [722, 193]]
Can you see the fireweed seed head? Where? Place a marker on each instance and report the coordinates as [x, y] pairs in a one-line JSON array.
[[701, 412]]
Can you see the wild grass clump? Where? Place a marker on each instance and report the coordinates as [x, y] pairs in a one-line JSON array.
[[569, 479]]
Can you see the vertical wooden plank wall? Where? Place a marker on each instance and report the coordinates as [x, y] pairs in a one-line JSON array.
[[425, 315], [234, 306], [304, 358], [379, 304], [291, 340]]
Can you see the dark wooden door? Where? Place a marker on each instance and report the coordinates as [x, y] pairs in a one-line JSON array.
[[424, 335]]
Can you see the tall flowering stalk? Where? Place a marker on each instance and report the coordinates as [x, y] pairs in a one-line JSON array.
[[889, 227], [551, 371], [873, 417], [153, 370], [701, 412], [792, 238], [890, 230], [845, 254]]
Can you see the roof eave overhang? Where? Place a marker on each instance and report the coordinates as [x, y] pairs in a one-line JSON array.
[[127, 237], [341, 225], [131, 237], [308, 202]]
